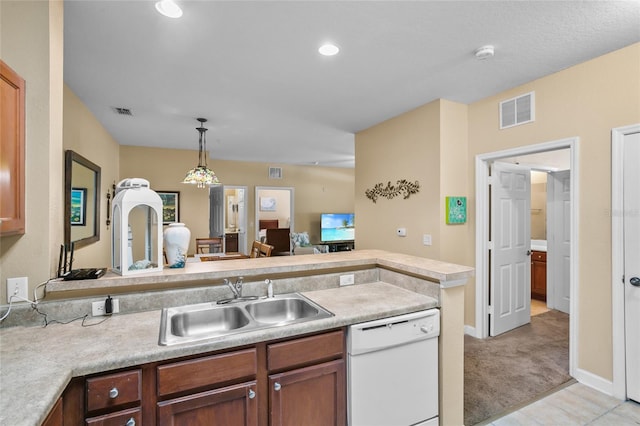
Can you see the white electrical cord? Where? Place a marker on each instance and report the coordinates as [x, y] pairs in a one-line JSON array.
[[33, 302]]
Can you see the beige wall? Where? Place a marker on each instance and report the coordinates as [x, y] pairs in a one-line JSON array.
[[404, 147], [31, 34], [587, 101], [317, 189], [538, 206], [86, 136]]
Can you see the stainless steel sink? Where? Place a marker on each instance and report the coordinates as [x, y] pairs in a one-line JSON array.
[[203, 321], [272, 311], [191, 322]]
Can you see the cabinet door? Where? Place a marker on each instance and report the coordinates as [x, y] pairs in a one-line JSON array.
[[231, 406], [12, 95], [539, 275], [311, 396]]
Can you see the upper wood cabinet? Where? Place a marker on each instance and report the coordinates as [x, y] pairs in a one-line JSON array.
[[12, 88]]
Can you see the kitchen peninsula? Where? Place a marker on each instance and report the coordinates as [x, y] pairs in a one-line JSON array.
[[37, 363]]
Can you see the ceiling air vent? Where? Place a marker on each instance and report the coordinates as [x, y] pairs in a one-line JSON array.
[[122, 111], [516, 111], [275, 172]]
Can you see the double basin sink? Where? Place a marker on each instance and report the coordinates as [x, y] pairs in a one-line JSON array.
[[203, 321]]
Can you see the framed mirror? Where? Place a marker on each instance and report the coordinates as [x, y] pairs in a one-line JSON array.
[[81, 200]]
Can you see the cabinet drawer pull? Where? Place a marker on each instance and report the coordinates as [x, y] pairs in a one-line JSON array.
[[113, 393], [252, 394], [276, 386], [131, 422]]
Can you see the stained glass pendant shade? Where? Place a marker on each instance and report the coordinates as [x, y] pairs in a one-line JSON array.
[[201, 175]]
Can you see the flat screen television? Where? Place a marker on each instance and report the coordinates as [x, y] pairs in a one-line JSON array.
[[337, 227]]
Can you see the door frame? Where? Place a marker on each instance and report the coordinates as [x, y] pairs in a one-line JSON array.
[[291, 191], [617, 264], [482, 163], [242, 243]]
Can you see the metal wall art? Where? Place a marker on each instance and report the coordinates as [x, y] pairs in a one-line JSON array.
[[402, 186]]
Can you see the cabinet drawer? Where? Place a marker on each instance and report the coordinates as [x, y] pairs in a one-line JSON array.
[[231, 236], [195, 373], [540, 256], [131, 417], [305, 351], [113, 390]]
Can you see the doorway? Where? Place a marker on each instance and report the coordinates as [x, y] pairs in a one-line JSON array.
[[228, 216], [483, 163], [274, 203], [625, 252]]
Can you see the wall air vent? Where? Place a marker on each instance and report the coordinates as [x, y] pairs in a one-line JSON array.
[[275, 172], [518, 110], [122, 111]]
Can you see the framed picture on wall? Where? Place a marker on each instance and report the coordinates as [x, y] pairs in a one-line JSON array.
[[170, 206], [267, 204], [78, 206]]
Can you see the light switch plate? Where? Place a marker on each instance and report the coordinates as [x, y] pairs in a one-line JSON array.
[[426, 239]]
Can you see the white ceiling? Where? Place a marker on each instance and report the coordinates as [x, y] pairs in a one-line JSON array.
[[252, 67]]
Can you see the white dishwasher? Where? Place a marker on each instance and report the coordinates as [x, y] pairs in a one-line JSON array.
[[392, 370]]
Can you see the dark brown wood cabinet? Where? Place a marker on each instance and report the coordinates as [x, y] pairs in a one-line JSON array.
[[286, 382], [231, 242], [12, 138], [233, 405], [311, 396], [539, 275]]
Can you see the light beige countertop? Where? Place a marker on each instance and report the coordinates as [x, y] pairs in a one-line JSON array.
[[38, 363], [195, 272]]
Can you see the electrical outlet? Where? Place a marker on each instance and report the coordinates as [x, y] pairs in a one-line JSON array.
[[346, 279], [97, 308], [18, 287], [426, 239]]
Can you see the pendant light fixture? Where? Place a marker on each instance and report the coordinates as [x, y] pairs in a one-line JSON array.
[[201, 175]]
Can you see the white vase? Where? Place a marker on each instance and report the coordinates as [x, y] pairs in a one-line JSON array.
[[176, 244]]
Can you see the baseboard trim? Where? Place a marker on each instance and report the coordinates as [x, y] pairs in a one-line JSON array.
[[593, 381], [471, 331]]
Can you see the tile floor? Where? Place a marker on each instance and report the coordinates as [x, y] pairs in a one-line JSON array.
[[575, 404], [538, 307]]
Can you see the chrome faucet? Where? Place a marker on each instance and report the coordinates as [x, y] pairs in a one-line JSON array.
[[235, 288]]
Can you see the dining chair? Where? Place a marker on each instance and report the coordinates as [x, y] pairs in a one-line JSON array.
[[259, 249], [209, 245]]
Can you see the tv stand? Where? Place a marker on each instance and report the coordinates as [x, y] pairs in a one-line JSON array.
[[342, 246]]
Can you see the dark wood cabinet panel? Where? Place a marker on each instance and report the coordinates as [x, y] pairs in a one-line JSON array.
[[539, 275], [231, 406], [12, 165], [55, 417], [200, 372], [310, 396], [231, 242], [305, 351]]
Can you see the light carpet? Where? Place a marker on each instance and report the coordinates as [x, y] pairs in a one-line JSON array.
[[515, 367]]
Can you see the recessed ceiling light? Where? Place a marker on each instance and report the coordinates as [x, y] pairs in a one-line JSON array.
[[328, 49], [169, 8], [484, 52]]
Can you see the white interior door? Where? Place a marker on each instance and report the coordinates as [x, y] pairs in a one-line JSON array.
[[216, 212], [559, 240], [631, 194], [510, 270]]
